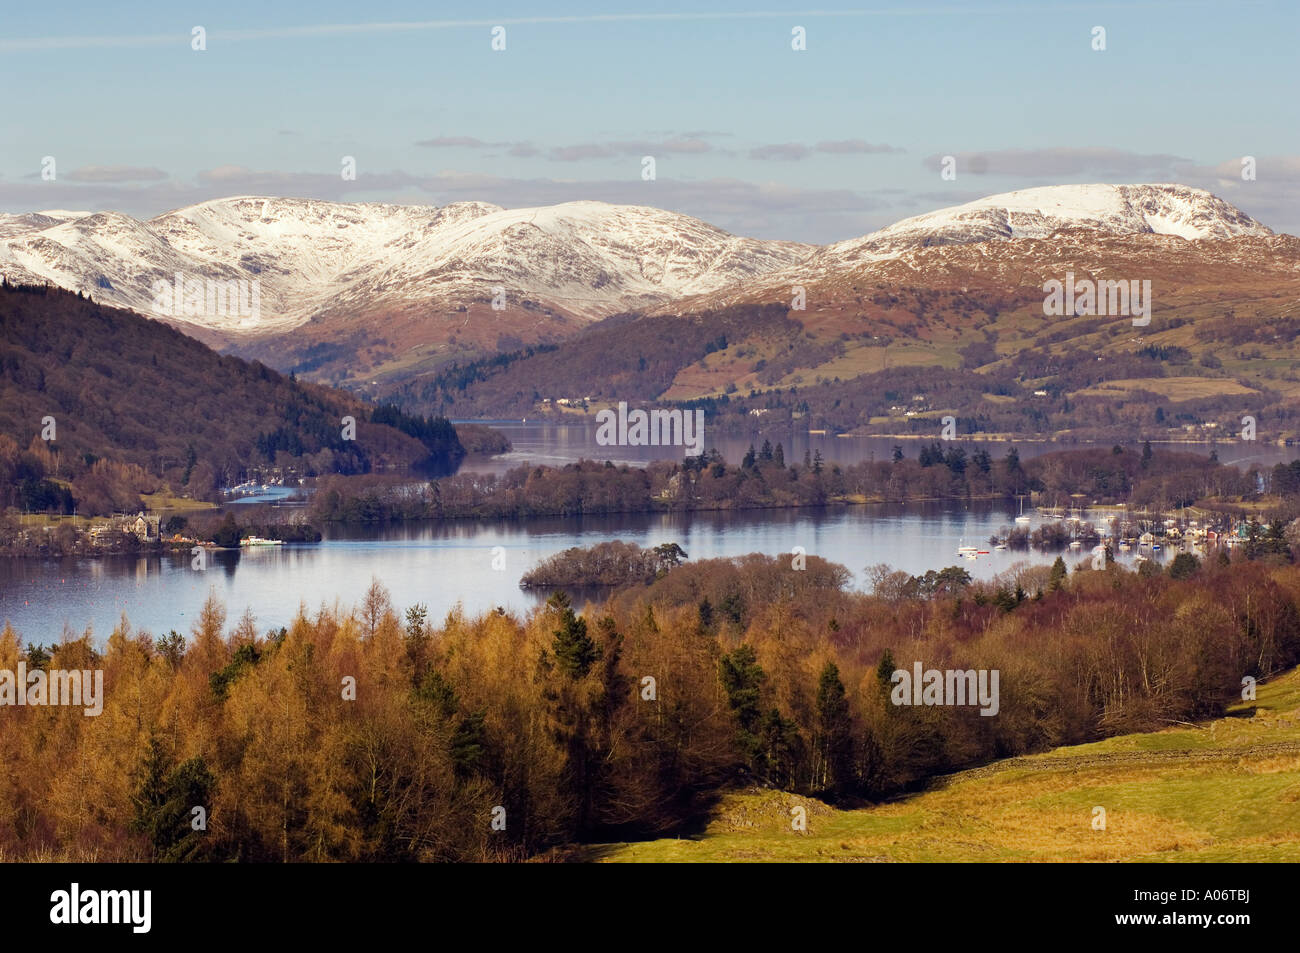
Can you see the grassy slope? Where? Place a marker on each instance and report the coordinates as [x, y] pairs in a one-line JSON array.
[[1228, 790]]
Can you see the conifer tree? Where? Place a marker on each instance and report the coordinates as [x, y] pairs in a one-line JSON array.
[[835, 732], [574, 650], [885, 672], [1057, 577]]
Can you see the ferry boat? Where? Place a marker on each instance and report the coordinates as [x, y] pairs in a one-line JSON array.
[[260, 541]]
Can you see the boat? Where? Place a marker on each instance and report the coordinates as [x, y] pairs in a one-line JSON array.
[[971, 551], [260, 541], [1022, 519]]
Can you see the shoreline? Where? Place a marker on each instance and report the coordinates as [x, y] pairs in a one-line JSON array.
[[1042, 512]]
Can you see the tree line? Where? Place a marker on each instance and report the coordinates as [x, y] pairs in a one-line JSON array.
[[1158, 479], [374, 733]]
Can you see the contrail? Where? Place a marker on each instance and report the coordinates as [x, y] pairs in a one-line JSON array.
[[16, 44]]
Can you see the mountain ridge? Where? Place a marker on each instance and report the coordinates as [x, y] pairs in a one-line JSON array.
[[310, 257], [370, 296], [583, 260]]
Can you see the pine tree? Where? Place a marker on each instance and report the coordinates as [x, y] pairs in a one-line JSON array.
[[574, 650], [417, 637], [885, 671], [165, 800], [742, 678], [1057, 577], [468, 744], [706, 614], [835, 730]]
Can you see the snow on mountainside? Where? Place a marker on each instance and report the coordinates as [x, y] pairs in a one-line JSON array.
[[1177, 212], [588, 259], [11, 225], [1038, 213], [584, 259]]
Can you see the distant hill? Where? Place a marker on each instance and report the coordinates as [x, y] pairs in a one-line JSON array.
[[940, 314], [892, 346], [136, 404], [354, 292]]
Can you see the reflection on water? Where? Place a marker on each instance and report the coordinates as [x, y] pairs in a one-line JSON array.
[[534, 442], [442, 564]]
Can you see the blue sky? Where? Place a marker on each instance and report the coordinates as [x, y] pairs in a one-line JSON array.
[[816, 145]]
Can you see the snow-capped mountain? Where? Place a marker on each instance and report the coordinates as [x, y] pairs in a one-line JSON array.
[[11, 225], [579, 261], [1178, 212], [1039, 213], [585, 259]]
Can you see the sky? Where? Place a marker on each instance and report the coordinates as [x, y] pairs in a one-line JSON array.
[[748, 133]]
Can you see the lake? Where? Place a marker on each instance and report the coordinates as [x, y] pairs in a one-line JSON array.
[[556, 444], [443, 564]]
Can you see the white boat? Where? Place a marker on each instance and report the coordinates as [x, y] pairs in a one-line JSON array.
[[1022, 519], [260, 541]]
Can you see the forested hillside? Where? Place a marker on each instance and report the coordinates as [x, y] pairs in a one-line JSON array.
[[958, 330], [374, 734], [99, 404]]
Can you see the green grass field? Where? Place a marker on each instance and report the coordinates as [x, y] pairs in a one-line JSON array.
[[1227, 790]]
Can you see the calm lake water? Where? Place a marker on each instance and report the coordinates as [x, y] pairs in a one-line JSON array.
[[558, 444], [448, 563]]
